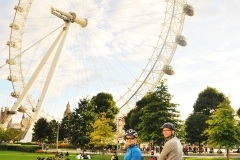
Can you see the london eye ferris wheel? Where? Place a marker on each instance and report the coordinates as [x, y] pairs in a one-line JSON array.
[[62, 50]]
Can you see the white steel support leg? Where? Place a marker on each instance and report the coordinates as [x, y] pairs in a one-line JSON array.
[[51, 72], [34, 77]]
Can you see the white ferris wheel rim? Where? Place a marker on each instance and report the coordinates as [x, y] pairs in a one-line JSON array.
[[162, 54]]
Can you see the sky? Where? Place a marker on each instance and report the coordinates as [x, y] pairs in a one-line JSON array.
[[211, 58]]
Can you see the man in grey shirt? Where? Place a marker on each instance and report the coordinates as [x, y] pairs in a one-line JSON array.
[[172, 149]]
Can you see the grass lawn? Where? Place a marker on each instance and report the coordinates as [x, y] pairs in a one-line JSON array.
[[15, 155]]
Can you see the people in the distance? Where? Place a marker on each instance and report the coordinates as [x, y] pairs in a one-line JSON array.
[[133, 152], [114, 157], [172, 149], [67, 154], [79, 156], [185, 150], [88, 156]]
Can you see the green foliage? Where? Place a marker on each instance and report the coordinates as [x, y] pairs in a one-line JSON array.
[[152, 111], [80, 123], [41, 130], [103, 134], [205, 105], [10, 134], [208, 100], [64, 129], [238, 112], [104, 102], [223, 129], [195, 126], [22, 148], [52, 133], [133, 118]]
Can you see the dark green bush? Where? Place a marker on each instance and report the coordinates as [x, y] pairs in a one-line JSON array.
[[22, 148]]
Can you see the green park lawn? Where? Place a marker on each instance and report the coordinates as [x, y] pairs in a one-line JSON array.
[[15, 155]]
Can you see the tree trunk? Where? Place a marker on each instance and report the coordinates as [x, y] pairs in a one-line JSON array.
[[227, 153], [199, 148], [103, 153]]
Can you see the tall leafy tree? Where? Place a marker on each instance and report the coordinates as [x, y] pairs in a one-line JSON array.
[[133, 117], [104, 102], [52, 134], [80, 124], [156, 112], [223, 129], [64, 129], [103, 134], [40, 130], [195, 125], [238, 112], [205, 105], [208, 100]]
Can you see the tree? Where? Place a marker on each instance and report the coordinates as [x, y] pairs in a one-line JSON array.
[[104, 102], [17, 135], [40, 130], [103, 134], [6, 135], [238, 112], [195, 125], [132, 119], [157, 108], [52, 133], [154, 107], [208, 100], [205, 105], [223, 129], [64, 129], [1, 134], [80, 123]]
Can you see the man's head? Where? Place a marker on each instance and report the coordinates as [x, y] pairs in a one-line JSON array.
[[168, 129], [130, 137]]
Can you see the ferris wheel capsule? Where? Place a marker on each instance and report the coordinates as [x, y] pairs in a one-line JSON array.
[[188, 9], [181, 40], [168, 69]]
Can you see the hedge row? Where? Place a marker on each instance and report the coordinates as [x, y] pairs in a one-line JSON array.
[[24, 148]]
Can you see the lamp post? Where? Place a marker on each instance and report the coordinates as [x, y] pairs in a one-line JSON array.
[[57, 136], [117, 138], [118, 119]]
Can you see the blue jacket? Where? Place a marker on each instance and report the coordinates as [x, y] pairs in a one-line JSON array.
[[133, 153]]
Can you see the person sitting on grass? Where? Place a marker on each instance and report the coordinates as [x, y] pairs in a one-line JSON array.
[[67, 154], [56, 154], [89, 156], [61, 154]]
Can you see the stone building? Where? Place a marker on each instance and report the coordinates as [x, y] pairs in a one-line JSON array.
[[68, 111]]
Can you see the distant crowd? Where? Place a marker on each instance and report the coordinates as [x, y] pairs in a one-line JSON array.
[[52, 158], [83, 156]]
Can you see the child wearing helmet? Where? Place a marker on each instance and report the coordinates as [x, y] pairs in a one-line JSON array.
[[133, 152], [172, 149]]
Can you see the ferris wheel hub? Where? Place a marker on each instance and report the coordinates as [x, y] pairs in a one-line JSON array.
[[69, 17]]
